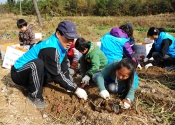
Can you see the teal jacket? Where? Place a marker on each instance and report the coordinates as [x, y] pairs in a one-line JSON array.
[[34, 51], [109, 70]]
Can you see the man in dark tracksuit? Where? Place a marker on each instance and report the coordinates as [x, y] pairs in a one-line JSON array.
[[48, 56]]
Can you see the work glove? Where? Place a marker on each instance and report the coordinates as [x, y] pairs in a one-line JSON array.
[[125, 104], [145, 59], [71, 71], [74, 64], [105, 94], [85, 80], [139, 66], [148, 65], [81, 93]]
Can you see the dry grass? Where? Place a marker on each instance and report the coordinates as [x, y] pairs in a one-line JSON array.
[[90, 27]]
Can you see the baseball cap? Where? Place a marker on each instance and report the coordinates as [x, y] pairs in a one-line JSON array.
[[68, 29]]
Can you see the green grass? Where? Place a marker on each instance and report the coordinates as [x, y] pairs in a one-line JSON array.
[[172, 30]]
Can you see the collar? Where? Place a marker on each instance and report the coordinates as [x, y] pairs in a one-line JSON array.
[[59, 44]]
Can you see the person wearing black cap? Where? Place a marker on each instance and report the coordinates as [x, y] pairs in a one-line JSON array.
[[47, 57]]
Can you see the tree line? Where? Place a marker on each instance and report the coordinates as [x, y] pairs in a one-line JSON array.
[[92, 7]]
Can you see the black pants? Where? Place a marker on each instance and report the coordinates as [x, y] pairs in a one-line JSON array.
[[167, 60], [31, 76], [64, 68]]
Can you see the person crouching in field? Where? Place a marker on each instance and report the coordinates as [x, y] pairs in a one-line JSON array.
[[163, 49], [26, 35], [48, 56], [132, 39], [73, 55], [115, 44], [118, 77], [92, 60]]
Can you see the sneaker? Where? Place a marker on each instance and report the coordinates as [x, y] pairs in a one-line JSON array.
[[69, 91], [37, 102], [169, 68]]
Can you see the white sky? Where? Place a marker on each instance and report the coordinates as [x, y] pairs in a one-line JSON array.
[[3, 1]]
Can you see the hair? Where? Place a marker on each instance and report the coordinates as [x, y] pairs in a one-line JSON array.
[[127, 29], [21, 23], [154, 31], [61, 33], [131, 66], [81, 44]]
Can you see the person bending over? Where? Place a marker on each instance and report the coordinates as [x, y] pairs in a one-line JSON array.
[[47, 57], [118, 77]]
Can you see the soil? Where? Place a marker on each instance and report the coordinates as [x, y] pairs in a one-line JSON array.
[[154, 103]]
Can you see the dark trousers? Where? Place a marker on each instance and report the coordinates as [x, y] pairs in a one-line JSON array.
[[84, 66], [165, 61], [31, 76]]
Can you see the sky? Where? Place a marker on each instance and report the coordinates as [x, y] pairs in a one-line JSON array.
[[3, 1]]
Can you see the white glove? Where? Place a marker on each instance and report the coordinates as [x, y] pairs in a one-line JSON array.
[[85, 80], [148, 65], [81, 93], [125, 104], [139, 66], [145, 59], [105, 94], [71, 71]]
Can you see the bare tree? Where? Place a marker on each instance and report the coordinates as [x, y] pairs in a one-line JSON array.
[[38, 13]]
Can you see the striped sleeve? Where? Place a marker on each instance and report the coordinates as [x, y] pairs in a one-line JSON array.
[[57, 71]]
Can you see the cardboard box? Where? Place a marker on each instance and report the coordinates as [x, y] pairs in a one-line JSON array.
[[38, 36], [142, 50], [3, 48], [98, 43], [148, 40], [11, 56]]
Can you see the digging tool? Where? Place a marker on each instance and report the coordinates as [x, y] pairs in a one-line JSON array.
[[116, 107]]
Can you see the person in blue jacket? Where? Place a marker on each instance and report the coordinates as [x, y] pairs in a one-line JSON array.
[[118, 77], [47, 57], [163, 49], [115, 44]]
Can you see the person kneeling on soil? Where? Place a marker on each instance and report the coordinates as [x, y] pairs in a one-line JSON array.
[[163, 49], [92, 60], [118, 77], [116, 44], [48, 56]]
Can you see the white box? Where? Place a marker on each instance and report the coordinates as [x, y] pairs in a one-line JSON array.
[[11, 56], [3, 48], [98, 43], [38, 36], [148, 40], [142, 50]]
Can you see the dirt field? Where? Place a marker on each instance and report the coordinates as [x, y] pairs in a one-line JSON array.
[[154, 103]]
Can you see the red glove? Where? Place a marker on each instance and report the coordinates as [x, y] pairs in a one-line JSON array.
[[74, 64]]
